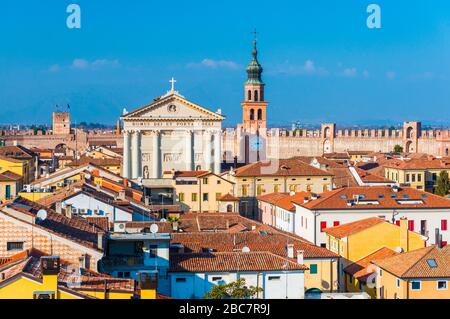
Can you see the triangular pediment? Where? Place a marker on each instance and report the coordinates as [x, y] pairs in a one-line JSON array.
[[173, 107]]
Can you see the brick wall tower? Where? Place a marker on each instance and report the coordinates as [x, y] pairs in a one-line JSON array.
[[61, 123], [254, 105]]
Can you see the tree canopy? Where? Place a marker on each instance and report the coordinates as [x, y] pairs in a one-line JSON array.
[[233, 290], [443, 184]]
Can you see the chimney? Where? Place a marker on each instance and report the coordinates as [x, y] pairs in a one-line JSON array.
[[147, 200], [69, 210], [440, 241], [122, 194], [314, 196], [404, 234], [81, 263], [305, 200], [175, 226], [100, 239], [58, 207], [50, 267], [290, 250], [300, 257]]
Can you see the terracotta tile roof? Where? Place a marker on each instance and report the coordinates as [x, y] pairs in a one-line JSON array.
[[85, 160], [362, 269], [376, 197], [348, 229], [284, 200], [420, 163], [191, 173], [101, 222], [17, 152], [8, 176], [282, 167], [324, 162], [231, 261], [336, 155], [163, 227], [76, 228], [29, 264], [228, 198], [419, 263], [272, 241], [10, 159], [368, 177]]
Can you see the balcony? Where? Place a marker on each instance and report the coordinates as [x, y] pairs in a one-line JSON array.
[[122, 261]]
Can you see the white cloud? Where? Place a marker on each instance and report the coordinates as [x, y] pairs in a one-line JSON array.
[[350, 72], [391, 75], [215, 64], [82, 64], [309, 67], [54, 68]]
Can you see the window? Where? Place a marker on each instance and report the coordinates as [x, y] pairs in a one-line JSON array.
[[413, 178], [252, 115], [432, 263], [244, 190], [249, 95], [216, 278], [205, 181], [273, 278], [444, 224], [419, 177], [153, 251], [407, 178], [323, 225], [276, 188], [14, 246], [308, 187], [259, 190], [336, 224], [180, 279], [260, 115], [256, 96], [205, 197], [181, 197], [194, 197], [218, 195], [313, 269], [416, 285], [442, 285], [398, 283], [219, 182], [411, 225]]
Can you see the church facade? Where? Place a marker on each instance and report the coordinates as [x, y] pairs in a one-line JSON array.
[[171, 134]]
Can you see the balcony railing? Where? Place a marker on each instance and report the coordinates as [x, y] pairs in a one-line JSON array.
[[122, 261]]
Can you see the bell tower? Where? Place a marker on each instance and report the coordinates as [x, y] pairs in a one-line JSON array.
[[254, 105]]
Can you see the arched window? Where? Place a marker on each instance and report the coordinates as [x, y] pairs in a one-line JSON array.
[[252, 114], [259, 114], [249, 95], [229, 208], [256, 96]]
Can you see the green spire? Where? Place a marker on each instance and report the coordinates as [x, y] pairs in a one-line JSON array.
[[254, 69]]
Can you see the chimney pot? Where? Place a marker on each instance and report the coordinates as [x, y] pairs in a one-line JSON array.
[[58, 207], [300, 257], [100, 237], [69, 210], [290, 250]]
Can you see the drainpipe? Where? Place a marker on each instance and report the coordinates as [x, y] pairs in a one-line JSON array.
[[200, 197]]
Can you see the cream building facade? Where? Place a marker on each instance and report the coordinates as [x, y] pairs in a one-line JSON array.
[[171, 133]]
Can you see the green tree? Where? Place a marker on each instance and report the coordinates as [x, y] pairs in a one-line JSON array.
[[443, 184], [233, 290], [398, 149]]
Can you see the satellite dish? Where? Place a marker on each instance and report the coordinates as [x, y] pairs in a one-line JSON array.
[[41, 215], [163, 220], [154, 228], [245, 249]]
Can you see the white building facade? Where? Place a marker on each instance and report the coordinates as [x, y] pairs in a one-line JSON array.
[[172, 133]]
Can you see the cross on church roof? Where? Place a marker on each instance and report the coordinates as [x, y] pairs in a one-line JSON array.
[[173, 81]]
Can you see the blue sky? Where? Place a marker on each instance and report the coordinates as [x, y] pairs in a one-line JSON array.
[[321, 62]]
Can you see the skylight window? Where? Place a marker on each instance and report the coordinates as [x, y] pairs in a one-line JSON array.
[[432, 263], [381, 196], [393, 196], [344, 196], [424, 195], [405, 196]]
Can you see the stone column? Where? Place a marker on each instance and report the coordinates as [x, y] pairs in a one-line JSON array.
[[188, 148], [136, 161], [217, 152], [156, 154], [126, 155], [207, 149]]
